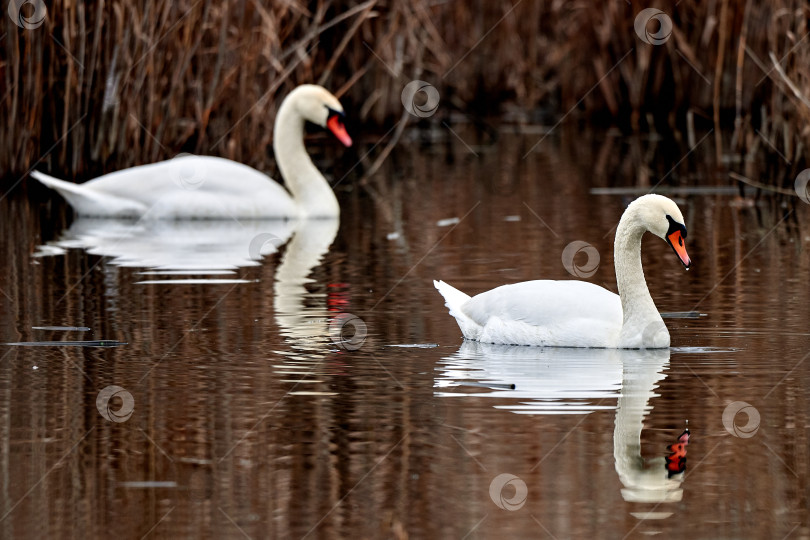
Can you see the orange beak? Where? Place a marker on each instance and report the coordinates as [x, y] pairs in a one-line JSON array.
[[676, 240], [336, 126]]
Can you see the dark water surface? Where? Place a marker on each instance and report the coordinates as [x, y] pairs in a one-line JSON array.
[[241, 412]]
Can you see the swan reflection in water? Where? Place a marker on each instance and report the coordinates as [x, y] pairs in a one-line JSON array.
[[578, 381], [168, 247], [303, 316], [200, 251]]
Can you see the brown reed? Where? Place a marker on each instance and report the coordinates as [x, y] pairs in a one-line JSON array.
[[105, 85]]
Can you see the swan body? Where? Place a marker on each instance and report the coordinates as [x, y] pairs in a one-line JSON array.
[[156, 191], [541, 312], [206, 187], [577, 313]]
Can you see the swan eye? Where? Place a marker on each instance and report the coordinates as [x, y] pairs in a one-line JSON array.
[[675, 226], [332, 113]]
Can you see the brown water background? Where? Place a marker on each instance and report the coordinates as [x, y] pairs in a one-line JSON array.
[[249, 421]]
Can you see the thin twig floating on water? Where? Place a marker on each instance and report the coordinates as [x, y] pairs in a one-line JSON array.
[[682, 314], [415, 345], [98, 343], [148, 484], [62, 328], [494, 386], [683, 190]]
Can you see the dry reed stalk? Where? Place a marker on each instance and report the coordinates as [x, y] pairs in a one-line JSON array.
[[105, 85]]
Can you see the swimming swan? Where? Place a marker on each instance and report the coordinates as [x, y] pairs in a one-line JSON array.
[[577, 313], [207, 187]]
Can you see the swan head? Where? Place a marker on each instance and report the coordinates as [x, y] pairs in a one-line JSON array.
[[317, 105], [662, 217]]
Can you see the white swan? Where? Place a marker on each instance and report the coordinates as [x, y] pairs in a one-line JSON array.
[[215, 188], [577, 313]]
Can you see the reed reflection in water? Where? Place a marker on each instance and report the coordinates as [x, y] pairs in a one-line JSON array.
[[249, 419]]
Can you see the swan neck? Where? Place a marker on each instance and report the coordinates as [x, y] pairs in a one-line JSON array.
[[633, 291], [309, 188]]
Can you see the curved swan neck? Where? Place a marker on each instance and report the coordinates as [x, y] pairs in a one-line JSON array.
[[309, 188], [635, 297]]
